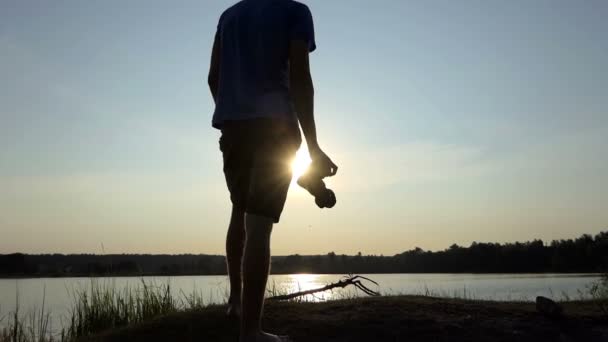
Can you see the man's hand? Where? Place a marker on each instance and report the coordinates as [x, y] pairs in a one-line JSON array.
[[322, 161], [302, 93]]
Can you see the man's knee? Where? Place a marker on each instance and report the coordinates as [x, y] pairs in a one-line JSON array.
[[258, 227], [238, 213]]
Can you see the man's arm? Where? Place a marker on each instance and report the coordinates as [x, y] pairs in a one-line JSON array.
[[302, 94], [302, 91], [214, 69]]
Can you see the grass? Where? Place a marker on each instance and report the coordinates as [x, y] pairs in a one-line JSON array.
[[34, 327], [96, 308], [599, 293], [103, 307], [385, 318]]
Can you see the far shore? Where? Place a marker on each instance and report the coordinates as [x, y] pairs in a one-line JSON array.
[[140, 275]]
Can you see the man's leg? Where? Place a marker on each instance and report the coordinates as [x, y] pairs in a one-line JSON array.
[[235, 242], [256, 265], [269, 183]]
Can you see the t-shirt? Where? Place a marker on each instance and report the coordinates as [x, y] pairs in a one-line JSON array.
[[254, 38]]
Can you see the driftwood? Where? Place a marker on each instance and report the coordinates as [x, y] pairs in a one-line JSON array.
[[349, 280]]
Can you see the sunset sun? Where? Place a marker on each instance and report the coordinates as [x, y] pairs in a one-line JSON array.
[[457, 191], [300, 163]]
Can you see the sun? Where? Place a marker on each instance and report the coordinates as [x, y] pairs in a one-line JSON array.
[[300, 163]]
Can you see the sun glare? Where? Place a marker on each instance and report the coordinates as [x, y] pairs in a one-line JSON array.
[[300, 163]]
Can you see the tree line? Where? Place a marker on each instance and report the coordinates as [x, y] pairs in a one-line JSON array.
[[584, 254]]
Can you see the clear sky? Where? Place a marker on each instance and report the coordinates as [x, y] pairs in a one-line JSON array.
[[451, 121]]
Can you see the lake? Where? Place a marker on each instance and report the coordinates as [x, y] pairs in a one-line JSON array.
[[58, 292]]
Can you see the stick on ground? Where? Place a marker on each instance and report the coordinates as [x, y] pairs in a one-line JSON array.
[[349, 280]]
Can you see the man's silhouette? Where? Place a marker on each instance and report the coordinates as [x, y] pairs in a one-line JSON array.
[[261, 84]]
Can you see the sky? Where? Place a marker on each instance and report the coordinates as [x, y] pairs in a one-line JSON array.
[[451, 122]]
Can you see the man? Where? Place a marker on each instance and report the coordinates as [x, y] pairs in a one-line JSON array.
[[261, 84]]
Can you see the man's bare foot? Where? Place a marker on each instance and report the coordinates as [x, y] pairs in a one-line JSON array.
[[265, 337]]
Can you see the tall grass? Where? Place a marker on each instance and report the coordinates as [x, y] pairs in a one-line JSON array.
[[599, 293], [33, 327], [104, 307], [98, 307], [101, 305]]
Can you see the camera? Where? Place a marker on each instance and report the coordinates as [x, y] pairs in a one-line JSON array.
[[312, 181]]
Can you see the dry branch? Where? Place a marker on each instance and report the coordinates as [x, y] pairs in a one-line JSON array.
[[349, 280]]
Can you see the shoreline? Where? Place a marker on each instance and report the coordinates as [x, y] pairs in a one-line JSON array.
[[50, 276], [386, 318]]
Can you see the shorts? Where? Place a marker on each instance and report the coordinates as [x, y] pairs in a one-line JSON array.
[[257, 154]]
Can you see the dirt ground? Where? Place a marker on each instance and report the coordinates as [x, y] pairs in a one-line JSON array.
[[403, 318]]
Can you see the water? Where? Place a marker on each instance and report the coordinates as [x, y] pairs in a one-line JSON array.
[[58, 292]]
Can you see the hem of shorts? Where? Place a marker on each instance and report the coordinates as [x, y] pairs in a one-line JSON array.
[[219, 124], [274, 218]]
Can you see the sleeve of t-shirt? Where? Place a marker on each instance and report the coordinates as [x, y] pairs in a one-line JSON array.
[[219, 26], [302, 27]]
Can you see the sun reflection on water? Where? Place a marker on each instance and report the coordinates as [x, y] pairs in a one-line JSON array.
[[305, 282]]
